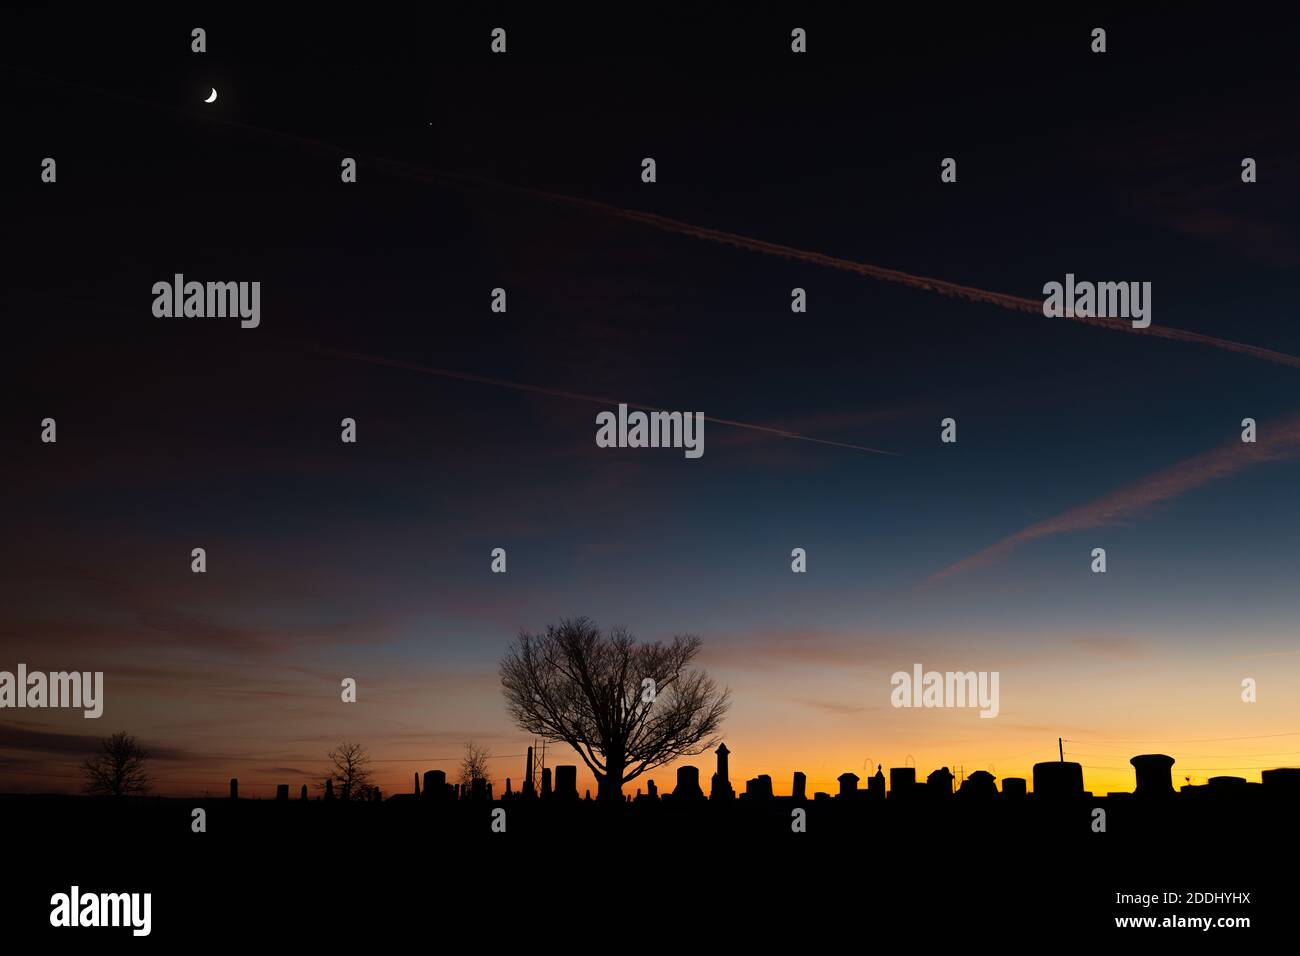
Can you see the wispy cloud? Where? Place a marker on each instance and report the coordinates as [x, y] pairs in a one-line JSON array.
[[841, 651], [580, 397], [925, 283], [14, 737], [1279, 442], [435, 176], [833, 707], [1122, 648]]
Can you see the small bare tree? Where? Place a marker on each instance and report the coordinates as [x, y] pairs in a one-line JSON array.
[[475, 765], [350, 770], [119, 769], [624, 707]]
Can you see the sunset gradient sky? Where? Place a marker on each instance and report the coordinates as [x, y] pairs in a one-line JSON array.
[[371, 560]]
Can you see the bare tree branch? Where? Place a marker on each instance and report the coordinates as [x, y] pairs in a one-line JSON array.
[[475, 765], [119, 770], [350, 771], [575, 685]]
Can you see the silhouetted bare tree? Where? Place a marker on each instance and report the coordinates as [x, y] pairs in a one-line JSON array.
[[350, 771], [624, 707], [475, 765], [119, 770]]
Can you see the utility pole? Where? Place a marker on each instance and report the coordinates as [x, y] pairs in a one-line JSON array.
[[1060, 747]]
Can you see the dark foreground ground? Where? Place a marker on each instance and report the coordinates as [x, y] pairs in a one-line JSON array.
[[576, 877]]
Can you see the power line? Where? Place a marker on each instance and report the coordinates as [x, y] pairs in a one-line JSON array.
[[1172, 740], [1276, 753], [1198, 769]]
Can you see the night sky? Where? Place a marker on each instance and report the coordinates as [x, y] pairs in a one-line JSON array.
[[328, 560]]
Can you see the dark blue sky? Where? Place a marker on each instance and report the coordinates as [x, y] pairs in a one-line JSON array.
[[330, 558]]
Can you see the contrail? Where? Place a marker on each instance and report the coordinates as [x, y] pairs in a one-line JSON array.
[[576, 396], [1278, 442], [926, 283], [665, 224]]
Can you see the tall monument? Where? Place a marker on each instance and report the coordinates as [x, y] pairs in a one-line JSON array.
[[722, 789]]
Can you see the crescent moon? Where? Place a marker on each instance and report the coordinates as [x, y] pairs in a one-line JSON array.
[[212, 97]]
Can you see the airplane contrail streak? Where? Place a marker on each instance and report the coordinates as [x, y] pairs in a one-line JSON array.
[[927, 283], [577, 396], [1279, 442], [666, 224]]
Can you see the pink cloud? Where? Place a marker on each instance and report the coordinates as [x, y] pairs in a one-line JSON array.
[[1275, 443]]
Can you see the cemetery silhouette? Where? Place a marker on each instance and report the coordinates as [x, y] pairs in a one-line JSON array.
[[899, 843]]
